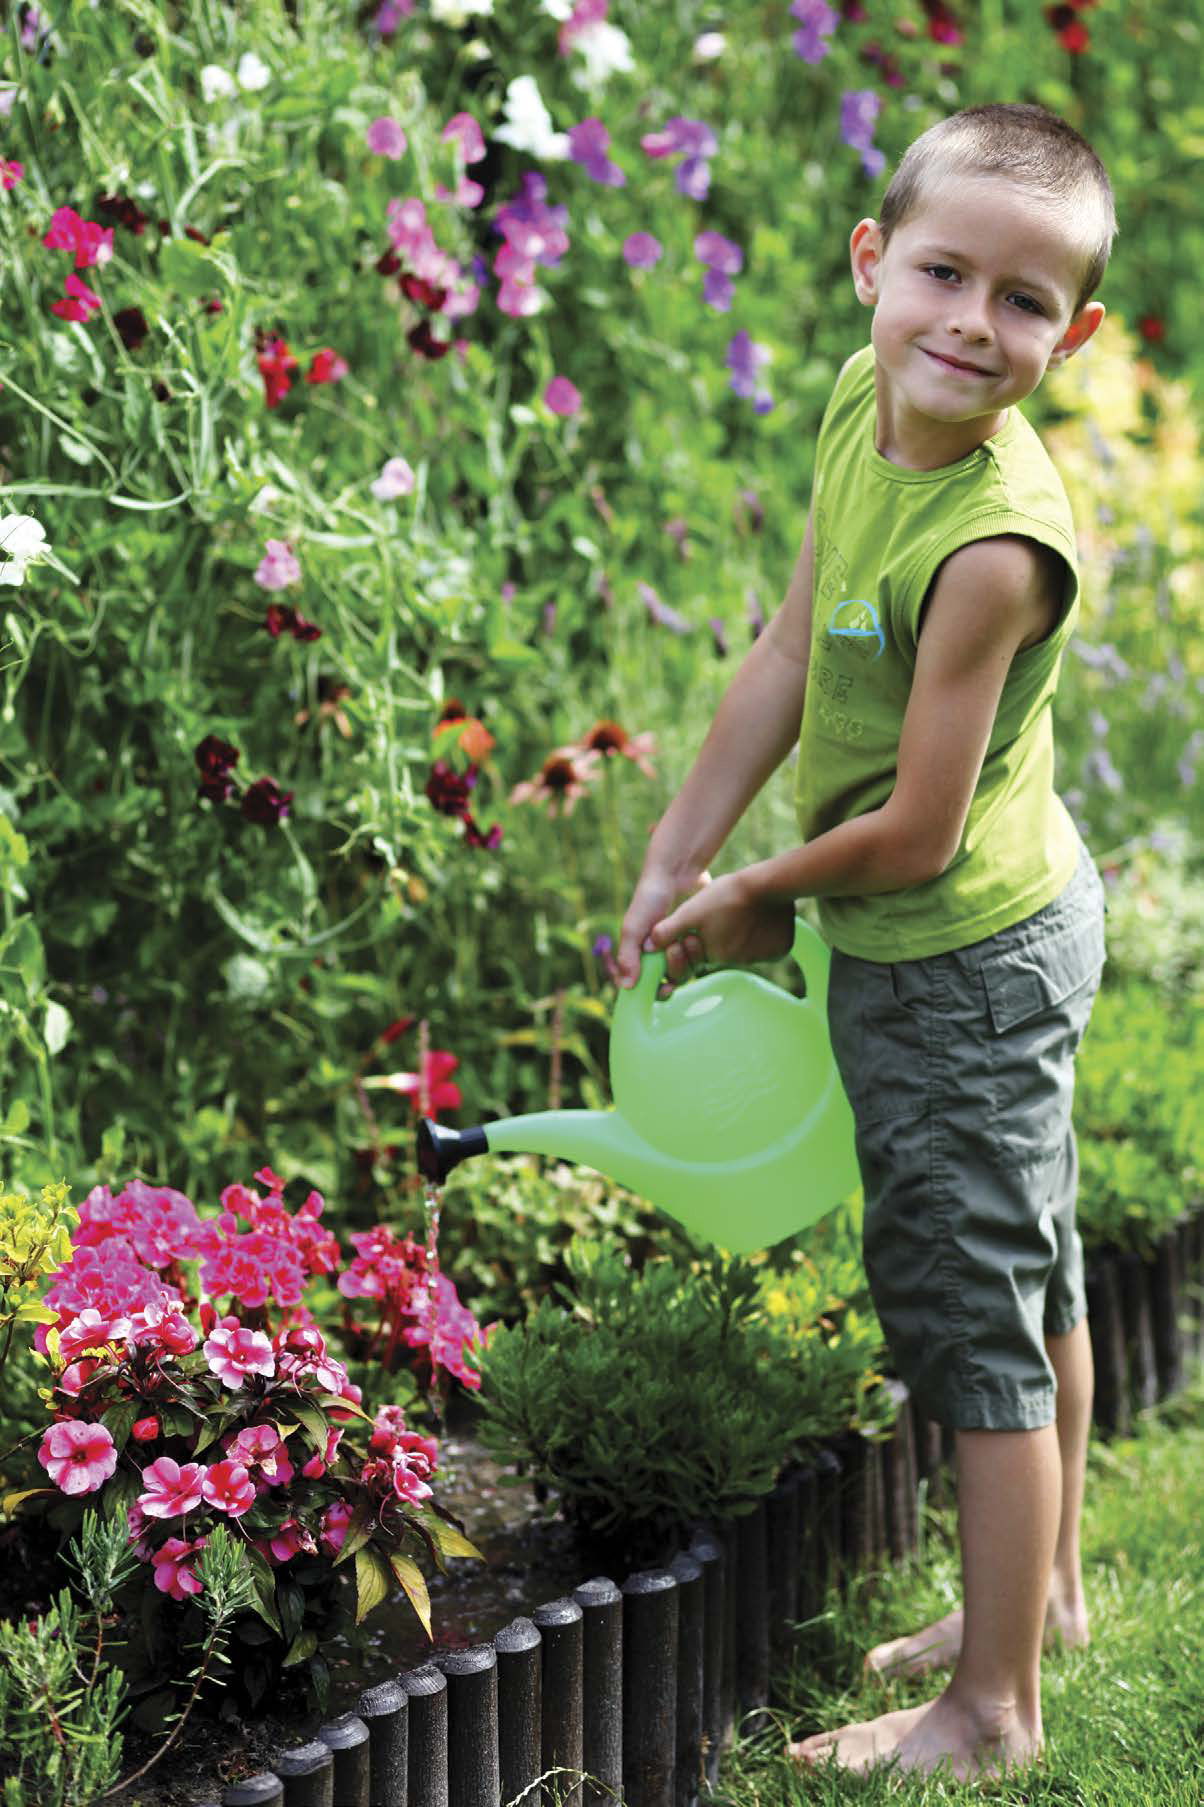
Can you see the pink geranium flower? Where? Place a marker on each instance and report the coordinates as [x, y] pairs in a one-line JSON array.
[[173, 1575], [292, 1539], [233, 1353], [261, 1448], [170, 1490], [92, 1329], [333, 1528], [78, 1457], [229, 1488]]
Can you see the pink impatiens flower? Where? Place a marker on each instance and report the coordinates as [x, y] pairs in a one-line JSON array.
[[229, 1488], [92, 1329], [170, 1490], [78, 1457], [172, 1572], [233, 1353], [386, 138], [292, 1539], [261, 1448], [332, 1530]]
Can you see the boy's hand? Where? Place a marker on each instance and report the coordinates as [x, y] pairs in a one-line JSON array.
[[654, 896], [727, 925]]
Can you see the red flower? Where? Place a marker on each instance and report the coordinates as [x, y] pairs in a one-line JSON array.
[[448, 789], [275, 361], [1152, 329], [441, 1093], [326, 366]]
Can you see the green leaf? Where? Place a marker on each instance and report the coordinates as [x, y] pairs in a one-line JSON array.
[[303, 1645], [117, 1420], [448, 1540], [373, 1581], [11, 1501], [313, 1423], [359, 1529], [414, 1582], [265, 1590]]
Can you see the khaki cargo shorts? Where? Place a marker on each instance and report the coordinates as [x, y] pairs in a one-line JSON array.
[[960, 1072]]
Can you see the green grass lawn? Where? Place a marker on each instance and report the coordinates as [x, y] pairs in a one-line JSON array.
[[1124, 1718]]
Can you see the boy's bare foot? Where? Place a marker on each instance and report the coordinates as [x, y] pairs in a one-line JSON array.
[[939, 1645], [925, 1738]]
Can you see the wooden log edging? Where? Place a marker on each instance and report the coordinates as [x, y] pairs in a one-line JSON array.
[[641, 1686]]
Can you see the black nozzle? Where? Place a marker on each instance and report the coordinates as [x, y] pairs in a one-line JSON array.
[[439, 1149]]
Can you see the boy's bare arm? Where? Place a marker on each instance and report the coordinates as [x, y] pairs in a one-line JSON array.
[[988, 597], [754, 728]]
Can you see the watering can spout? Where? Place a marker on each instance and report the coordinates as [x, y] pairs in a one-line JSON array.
[[598, 1139], [440, 1149]]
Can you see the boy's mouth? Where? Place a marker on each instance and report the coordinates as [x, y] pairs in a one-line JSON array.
[[955, 364]]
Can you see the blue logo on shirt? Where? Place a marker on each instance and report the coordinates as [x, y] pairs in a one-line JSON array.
[[863, 624]]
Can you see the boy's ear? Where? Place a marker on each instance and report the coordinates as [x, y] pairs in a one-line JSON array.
[[1084, 324], [865, 256]]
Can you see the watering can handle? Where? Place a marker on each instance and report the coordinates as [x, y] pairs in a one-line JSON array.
[[809, 951], [813, 957]]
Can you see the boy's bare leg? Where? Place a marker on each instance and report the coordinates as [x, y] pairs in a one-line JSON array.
[[938, 1645], [989, 1716]]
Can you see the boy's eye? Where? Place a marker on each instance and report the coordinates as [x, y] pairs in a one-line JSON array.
[[934, 270]]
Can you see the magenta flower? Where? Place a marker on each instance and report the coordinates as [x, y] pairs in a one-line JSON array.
[[78, 1457], [642, 251], [145, 1430], [292, 1539], [172, 1572], [386, 138], [92, 1329], [233, 1353], [229, 1488], [171, 1490], [260, 1447], [332, 1530], [414, 1458], [464, 128], [561, 396], [165, 1327]]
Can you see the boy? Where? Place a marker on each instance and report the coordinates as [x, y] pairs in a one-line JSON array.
[[917, 649]]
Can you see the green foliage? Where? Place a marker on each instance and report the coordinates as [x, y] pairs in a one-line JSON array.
[[35, 1239], [60, 1705], [188, 979], [649, 1399], [1139, 1117], [1155, 927]]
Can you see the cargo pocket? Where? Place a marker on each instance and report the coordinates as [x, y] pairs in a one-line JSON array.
[[1039, 998]]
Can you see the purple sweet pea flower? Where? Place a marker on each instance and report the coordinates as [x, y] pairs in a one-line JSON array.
[[859, 108], [693, 178], [717, 290], [744, 358], [719, 253], [587, 146], [660, 611], [642, 251], [818, 22]]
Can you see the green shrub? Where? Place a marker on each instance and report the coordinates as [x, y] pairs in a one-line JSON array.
[[650, 1399], [1139, 1116]]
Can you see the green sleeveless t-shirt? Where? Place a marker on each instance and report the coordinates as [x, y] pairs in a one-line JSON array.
[[880, 532]]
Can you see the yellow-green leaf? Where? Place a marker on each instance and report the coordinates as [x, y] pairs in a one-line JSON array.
[[372, 1581], [447, 1540], [34, 1313], [359, 1529], [313, 1423], [13, 1500], [302, 1646], [414, 1582]]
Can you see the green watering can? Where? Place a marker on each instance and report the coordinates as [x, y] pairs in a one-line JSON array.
[[729, 1111]]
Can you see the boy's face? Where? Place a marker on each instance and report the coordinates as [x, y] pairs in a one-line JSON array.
[[981, 275]]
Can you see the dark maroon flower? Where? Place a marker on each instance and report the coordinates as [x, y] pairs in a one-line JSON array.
[[280, 617], [415, 288], [423, 341], [215, 757], [264, 802], [474, 837], [120, 210], [131, 324], [388, 263], [448, 789]]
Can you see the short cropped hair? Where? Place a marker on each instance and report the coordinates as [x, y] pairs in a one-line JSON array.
[[1030, 146]]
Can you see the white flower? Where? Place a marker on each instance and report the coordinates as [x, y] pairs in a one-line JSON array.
[[528, 124], [263, 499], [605, 49], [560, 10], [216, 83], [710, 45], [24, 541], [456, 12], [253, 74]]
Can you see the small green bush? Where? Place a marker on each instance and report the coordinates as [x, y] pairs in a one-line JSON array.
[[1138, 1116], [650, 1400]]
